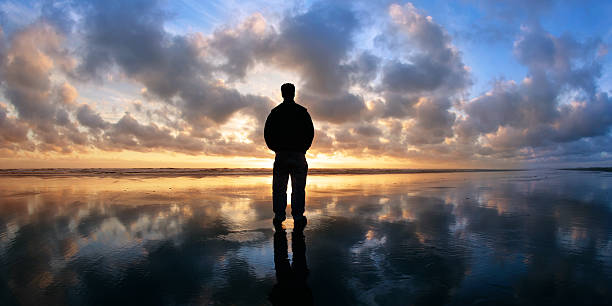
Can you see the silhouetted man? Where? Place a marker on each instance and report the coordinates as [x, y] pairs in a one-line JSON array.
[[289, 133]]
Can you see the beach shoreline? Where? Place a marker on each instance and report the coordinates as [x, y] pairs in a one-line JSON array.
[[203, 172]]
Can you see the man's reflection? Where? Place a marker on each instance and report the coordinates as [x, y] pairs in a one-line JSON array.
[[291, 287]]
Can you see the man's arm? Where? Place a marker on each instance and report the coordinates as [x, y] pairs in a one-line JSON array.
[[268, 131], [309, 132]]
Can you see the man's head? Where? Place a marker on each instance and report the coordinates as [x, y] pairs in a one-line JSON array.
[[288, 91]]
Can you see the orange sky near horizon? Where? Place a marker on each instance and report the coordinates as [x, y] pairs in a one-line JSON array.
[[176, 160], [130, 159]]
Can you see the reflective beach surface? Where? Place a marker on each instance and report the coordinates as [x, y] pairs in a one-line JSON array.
[[493, 238]]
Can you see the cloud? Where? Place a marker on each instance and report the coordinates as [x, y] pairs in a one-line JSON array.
[[368, 130], [13, 133], [67, 94], [433, 122], [433, 63], [89, 118], [171, 67], [585, 119], [364, 69], [335, 108], [391, 85], [558, 102], [33, 54], [316, 44], [427, 73], [129, 134], [243, 45], [563, 58], [323, 142]]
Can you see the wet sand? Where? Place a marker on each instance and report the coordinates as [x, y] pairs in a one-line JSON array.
[[528, 237]]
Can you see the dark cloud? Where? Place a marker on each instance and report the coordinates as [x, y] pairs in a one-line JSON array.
[[323, 142], [368, 130], [585, 119], [398, 105], [412, 77], [89, 118], [587, 151], [487, 112], [334, 108], [433, 122], [62, 117], [316, 43], [129, 134], [364, 69], [422, 75]]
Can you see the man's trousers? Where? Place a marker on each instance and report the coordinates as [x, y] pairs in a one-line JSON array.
[[289, 164]]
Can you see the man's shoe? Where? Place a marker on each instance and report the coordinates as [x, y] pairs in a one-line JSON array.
[[300, 223], [278, 224]]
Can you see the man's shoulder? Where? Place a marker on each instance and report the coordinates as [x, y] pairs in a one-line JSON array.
[[289, 106], [300, 107], [277, 109]]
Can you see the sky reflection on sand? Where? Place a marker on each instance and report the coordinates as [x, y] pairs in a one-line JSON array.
[[499, 237]]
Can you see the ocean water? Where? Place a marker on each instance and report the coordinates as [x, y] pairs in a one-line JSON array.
[[168, 237]]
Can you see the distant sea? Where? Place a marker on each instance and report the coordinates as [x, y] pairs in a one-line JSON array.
[[201, 172]]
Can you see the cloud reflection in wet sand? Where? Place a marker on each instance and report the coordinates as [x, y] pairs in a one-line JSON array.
[[510, 237]]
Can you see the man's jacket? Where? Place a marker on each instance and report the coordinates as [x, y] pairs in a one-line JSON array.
[[289, 128]]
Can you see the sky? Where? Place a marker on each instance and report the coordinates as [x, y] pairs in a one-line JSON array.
[[422, 84]]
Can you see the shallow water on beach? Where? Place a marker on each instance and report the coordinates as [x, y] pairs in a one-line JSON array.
[[526, 237]]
